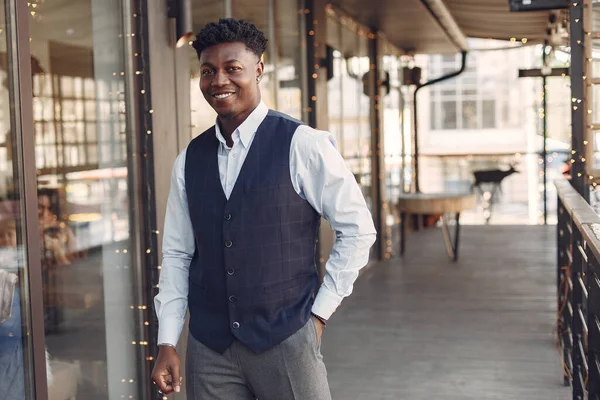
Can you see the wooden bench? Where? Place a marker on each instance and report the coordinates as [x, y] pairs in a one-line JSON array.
[[435, 204]]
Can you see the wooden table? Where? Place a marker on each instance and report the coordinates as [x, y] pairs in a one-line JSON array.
[[436, 203]]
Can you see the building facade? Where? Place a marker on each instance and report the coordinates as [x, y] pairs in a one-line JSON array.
[[489, 118], [97, 101]]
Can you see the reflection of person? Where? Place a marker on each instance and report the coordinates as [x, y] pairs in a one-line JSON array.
[[239, 242], [11, 349], [8, 233], [58, 239], [58, 244]]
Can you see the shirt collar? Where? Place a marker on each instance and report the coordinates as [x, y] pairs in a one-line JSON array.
[[248, 128]]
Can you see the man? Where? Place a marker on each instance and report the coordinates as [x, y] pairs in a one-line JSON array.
[[240, 235]]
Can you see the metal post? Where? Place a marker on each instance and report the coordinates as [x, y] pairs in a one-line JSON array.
[[310, 61], [577, 322], [563, 244], [378, 152], [578, 101], [142, 166], [545, 135], [227, 9], [560, 258], [416, 142], [592, 313], [273, 44], [21, 98], [402, 138]]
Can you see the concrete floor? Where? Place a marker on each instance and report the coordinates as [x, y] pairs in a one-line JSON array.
[[417, 328], [425, 328]]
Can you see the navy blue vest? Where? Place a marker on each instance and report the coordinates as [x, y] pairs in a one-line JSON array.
[[253, 275]]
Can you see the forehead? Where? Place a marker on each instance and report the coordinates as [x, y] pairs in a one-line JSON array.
[[7, 226], [44, 199], [224, 52]]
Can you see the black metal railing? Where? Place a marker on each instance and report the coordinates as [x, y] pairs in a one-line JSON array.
[[578, 282]]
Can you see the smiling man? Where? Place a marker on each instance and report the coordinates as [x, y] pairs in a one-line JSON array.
[[243, 214]]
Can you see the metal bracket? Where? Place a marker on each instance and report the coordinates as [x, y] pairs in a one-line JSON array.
[[451, 246]]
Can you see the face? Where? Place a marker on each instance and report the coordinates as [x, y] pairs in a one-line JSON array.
[[8, 235], [44, 207], [229, 79]]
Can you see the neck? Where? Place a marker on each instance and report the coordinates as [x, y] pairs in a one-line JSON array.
[[229, 125]]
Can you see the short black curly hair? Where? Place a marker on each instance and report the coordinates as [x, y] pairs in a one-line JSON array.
[[229, 30]]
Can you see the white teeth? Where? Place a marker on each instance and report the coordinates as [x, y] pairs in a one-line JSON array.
[[222, 95]]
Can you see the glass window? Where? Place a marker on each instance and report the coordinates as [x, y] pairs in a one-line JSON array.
[[90, 269], [469, 114], [469, 102], [433, 115], [448, 114], [488, 113], [448, 58]]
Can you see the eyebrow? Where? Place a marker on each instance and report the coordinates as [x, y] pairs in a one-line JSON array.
[[209, 64]]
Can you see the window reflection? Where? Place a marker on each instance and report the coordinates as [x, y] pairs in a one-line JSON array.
[[81, 134]]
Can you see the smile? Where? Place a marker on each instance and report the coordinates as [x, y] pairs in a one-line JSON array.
[[222, 96]]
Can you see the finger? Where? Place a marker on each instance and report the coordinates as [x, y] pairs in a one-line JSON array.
[[176, 377], [168, 383], [163, 381]]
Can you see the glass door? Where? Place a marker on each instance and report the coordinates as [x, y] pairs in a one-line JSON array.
[[84, 130]]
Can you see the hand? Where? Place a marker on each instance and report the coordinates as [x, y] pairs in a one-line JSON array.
[[319, 326], [166, 370], [57, 246]]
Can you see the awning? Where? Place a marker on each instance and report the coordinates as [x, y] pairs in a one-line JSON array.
[[411, 26]]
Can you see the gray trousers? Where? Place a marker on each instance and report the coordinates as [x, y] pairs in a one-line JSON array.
[[292, 370]]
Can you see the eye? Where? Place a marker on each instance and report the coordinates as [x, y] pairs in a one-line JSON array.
[[233, 69], [205, 72]]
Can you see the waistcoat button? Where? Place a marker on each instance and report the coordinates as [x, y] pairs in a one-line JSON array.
[[228, 243], [227, 217], [232, 299], [230, 271], [236, 325]]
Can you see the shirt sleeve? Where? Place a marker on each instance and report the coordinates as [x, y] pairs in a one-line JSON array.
[[319, 175], [178, 249]]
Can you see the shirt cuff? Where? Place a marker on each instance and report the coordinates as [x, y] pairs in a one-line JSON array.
[[326, 303], [169, 330]]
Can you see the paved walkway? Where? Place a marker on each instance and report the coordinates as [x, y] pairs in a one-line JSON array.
[[423, 328]]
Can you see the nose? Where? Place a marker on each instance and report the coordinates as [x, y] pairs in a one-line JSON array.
[[221, 79]]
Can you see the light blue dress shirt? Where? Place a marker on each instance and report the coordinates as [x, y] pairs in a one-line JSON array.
[[319, 175]]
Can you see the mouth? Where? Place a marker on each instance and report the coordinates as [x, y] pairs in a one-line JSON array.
[[222, 95]]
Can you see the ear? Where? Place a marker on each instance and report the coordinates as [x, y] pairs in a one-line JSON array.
[[260, 68]]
